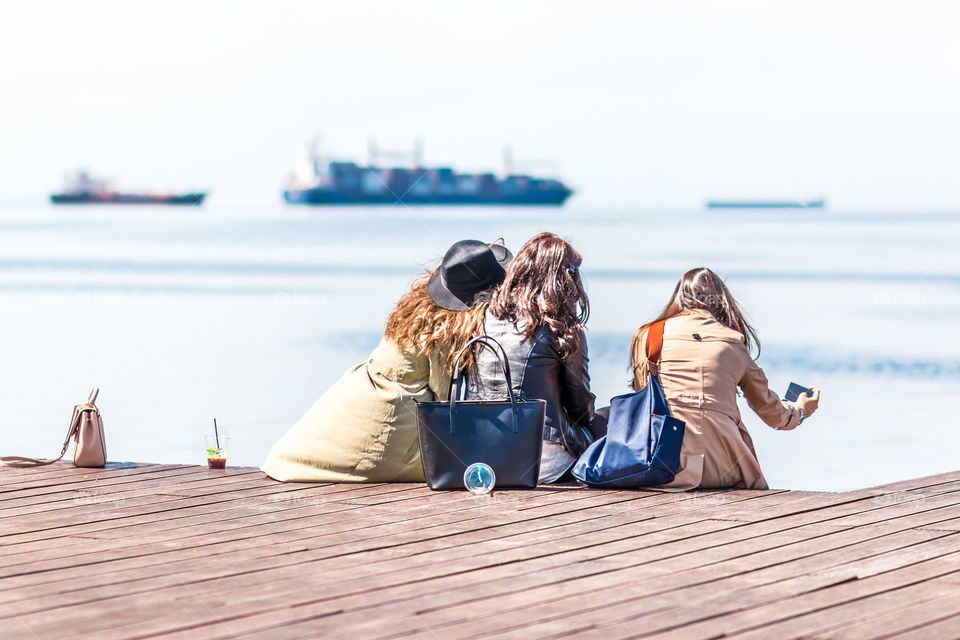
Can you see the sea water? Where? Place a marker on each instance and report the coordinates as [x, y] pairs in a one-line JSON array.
[[248, 313]]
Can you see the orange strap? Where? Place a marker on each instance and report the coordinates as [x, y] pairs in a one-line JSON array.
[[655, 341]]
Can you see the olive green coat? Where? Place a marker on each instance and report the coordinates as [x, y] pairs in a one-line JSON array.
[[364, 428]]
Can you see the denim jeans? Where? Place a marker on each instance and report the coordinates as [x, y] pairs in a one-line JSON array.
[[554, 462]]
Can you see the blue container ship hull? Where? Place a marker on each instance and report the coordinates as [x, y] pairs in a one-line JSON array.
[[766, 204], [330, 197], [82, 188], [322, 182], [194, 199]]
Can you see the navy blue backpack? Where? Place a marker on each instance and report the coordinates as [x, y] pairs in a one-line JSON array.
[[642, 445]]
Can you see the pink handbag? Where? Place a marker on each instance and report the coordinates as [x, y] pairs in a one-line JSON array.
[[86, 428]]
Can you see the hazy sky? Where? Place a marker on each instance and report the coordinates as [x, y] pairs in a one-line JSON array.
[[635, 104]]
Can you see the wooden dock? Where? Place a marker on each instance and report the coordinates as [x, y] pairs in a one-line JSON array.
[[183, 552]]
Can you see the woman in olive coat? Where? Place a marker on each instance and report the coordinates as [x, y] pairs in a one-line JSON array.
[[364, 428]]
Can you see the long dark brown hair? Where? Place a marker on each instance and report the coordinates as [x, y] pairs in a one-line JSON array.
[[543, 288], [417, 322], [699, 288]]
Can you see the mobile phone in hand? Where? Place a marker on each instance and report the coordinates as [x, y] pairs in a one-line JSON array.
[[794, 391]]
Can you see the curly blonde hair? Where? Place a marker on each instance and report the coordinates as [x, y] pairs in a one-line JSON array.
[[417, 322]]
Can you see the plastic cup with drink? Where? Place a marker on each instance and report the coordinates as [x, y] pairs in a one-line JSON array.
[[217, 440]]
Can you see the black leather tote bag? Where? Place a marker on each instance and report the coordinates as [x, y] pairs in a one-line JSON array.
[[507, 434]]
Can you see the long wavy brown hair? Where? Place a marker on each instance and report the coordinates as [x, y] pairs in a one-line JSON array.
[[699, 288], [417, 322], [543, 288]]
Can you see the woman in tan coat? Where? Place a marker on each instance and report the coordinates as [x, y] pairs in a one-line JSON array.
[[705, 358], [364, 428]]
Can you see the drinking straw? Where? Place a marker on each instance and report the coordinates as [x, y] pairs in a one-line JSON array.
[[216, 434]]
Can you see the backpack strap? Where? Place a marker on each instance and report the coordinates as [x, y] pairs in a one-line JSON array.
[[652, 348], [655, 342]]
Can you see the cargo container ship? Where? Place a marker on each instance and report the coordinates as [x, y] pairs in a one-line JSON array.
[[819, 203], [82, 189], [321, 181]]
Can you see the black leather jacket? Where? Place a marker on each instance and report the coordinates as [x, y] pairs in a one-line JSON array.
[[538, 373]]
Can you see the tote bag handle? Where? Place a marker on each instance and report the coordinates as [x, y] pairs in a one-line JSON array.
[[497, 349]]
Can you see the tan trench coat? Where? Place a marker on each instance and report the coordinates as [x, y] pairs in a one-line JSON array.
[[364, 428], [700, 380]]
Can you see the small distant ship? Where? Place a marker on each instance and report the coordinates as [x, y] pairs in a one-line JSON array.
[[819, 203], [321, 181], [82, 189]]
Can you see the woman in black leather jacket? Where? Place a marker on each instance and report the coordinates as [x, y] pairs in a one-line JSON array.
[[538, 315]]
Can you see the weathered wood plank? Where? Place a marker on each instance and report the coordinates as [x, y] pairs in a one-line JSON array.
[[246, 579], [601, 586], [911, 606], [55, 496], [669, 591], [374, 526], [178, 552], [421, 578], [193, 566], [16, 479], [844, 617], [756, 621], [930, 629]]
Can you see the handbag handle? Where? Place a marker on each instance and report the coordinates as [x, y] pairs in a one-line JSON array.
[[72, 432], [501, 355], [21, 461]]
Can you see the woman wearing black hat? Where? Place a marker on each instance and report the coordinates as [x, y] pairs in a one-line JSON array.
[[364, 428]]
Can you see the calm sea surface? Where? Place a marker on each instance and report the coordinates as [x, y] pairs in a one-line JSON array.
[[247, 314]]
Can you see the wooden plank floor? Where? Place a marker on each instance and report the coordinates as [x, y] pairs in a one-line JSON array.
[[178, 552]]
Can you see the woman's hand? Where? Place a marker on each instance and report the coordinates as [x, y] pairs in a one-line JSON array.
[[809, 403]]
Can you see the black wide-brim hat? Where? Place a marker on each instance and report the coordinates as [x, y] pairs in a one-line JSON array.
[[469, 270]]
